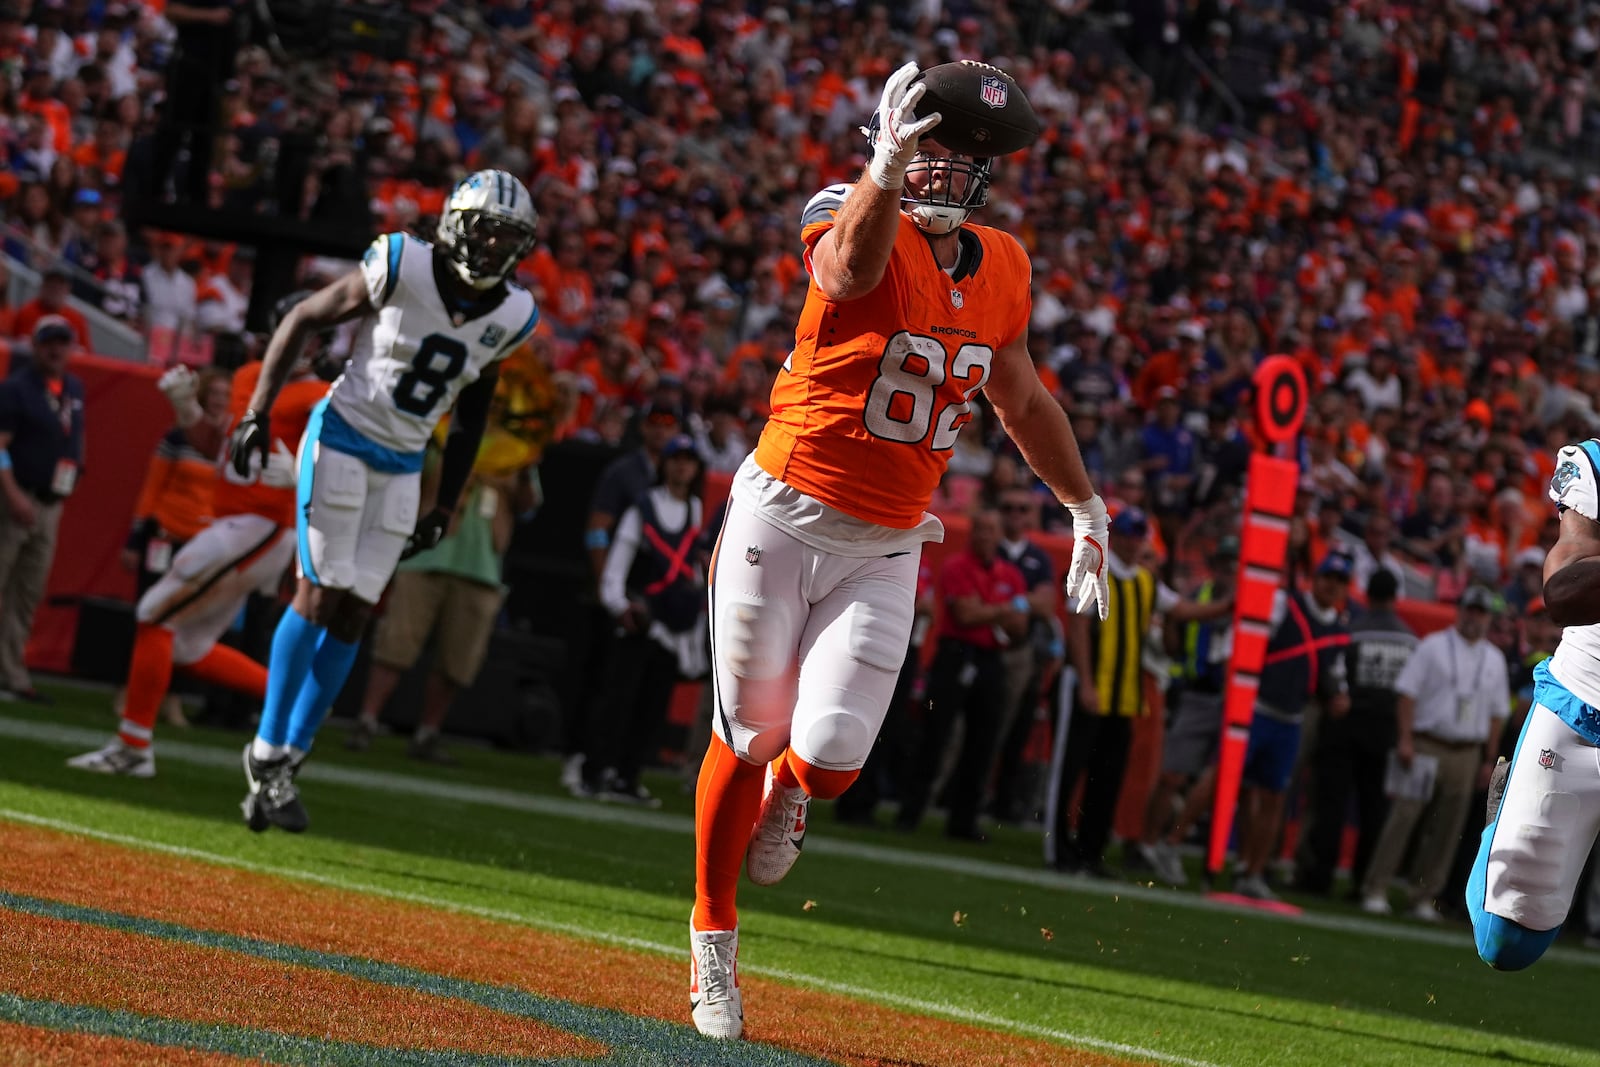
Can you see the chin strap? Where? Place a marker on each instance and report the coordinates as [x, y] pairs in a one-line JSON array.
[[939, 221]]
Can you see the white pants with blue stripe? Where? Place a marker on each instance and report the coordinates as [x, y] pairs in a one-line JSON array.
[[1547, 823], [354, 521]]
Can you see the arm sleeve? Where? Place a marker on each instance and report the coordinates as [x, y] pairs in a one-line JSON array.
[[527, 328], [823, 206], [619, 561], [1414, 675], [607, 497], [1574, 483], [380, 267], [817, 218], [78, 443], [1166, 598], [8, 409]]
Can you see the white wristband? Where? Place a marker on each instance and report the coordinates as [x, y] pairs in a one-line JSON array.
[[887, 174], [1088, 511]]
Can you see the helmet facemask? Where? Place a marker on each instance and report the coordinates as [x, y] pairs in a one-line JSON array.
[[952, 186], [483, 247]]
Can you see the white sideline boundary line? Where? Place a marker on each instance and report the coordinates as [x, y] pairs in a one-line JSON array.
[[211, 756], [925, 1007]]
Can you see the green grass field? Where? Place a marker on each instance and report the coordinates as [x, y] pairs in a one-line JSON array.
[[1153, 975]]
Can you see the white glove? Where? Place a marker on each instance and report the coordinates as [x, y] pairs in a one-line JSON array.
[[896, 142], [278, 473], [181, 386], [1086, 577]]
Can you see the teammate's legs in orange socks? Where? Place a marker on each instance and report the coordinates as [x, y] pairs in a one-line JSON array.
[[231, 669], [818, 782], [149, 676], [726, 803]]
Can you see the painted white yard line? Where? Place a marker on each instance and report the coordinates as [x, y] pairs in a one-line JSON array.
[[75, 737], [942, 1009]]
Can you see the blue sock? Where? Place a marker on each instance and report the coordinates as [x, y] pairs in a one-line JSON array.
[[329, 669], [293, 646]]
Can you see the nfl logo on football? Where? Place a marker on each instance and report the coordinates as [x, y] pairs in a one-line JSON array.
[[993, 91]]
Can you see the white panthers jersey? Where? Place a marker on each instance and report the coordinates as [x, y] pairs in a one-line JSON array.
[[411, 358], [1576, 485]]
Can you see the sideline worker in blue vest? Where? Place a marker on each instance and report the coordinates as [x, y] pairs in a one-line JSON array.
[[654, 586], [1305, 660]]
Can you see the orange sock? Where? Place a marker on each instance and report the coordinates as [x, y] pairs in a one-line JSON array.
[[726, 802], [232, 669], [818, 782], [149, 676]]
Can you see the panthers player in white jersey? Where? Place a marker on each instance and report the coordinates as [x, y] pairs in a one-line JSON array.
[[1544, 806], [437, 318]]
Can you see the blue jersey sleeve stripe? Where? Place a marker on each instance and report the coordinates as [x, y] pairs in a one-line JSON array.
[[522, 334], [1592, 450], [397, 244]]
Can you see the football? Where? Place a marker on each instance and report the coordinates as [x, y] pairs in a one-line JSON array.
[[984, 112]]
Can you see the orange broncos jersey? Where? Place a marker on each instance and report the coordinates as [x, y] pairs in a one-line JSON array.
[[290, 413], [866, 410]]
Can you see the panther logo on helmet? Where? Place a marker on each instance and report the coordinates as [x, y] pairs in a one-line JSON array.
[[487, 226]]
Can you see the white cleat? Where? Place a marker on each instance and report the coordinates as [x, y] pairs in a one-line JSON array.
[[1376, 906], [117, 758], [714, 998], [779, 834]]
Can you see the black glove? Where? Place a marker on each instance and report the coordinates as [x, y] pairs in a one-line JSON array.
[[252, 434], [430, 531]]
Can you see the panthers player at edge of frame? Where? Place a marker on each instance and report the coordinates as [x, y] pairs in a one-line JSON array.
[[436, 318], [1544, 805]]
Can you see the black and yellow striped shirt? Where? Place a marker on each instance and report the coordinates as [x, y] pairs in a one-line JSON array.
[[1117, 644]]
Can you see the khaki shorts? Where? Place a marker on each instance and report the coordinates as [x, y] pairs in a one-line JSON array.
[[459, 611]]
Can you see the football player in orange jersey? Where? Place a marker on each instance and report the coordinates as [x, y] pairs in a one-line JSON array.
[[246, 549], [909, 313]]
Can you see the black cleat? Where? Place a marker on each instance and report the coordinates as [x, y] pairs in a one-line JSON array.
[[274, 799], [1497, 788]]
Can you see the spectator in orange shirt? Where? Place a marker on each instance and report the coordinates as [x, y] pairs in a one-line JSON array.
[[101, 159], [615, 372], [54, 287], [566, 288], [769, 349], [1321, 359], [1172, 369], [39, 100]]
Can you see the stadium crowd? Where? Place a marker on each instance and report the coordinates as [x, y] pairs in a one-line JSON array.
[[1391, 194]]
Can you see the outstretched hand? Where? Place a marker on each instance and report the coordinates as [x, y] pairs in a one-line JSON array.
[[1086, 577], [894, 144]]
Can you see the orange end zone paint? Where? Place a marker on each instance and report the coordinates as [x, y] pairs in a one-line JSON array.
[[34, 1046], [53, 959], [75, 870]]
